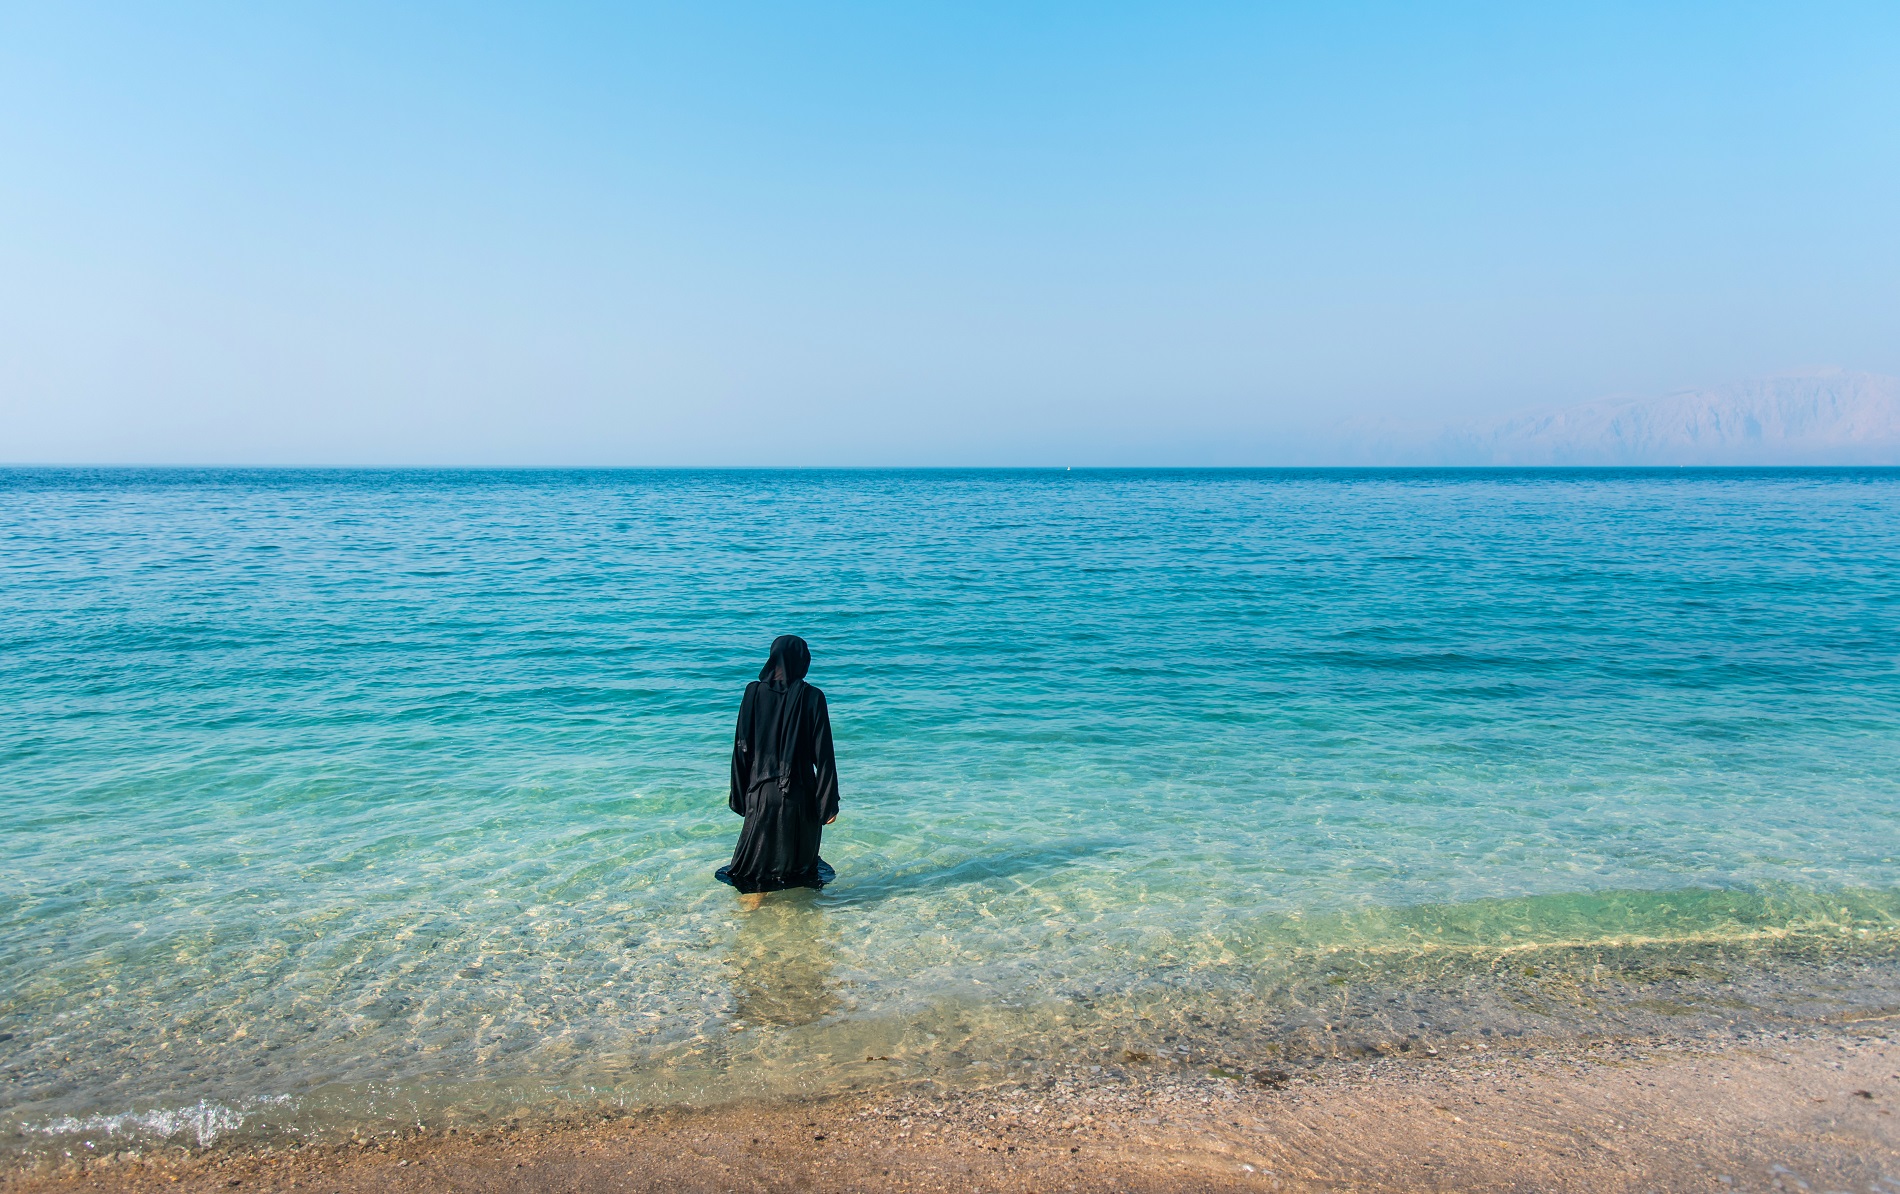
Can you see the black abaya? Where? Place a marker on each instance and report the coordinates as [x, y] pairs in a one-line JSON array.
[[784, 777]]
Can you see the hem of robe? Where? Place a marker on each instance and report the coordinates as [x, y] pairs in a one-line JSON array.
[[820, 874]]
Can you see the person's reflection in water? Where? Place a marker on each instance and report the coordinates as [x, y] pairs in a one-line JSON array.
[[781, 963]]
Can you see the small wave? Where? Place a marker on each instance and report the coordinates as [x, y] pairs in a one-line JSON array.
[[203, 1121]]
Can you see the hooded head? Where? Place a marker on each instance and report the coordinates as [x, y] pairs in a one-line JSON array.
[[789, 662]]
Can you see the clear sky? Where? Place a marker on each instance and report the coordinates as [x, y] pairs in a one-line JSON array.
[[916, 233]]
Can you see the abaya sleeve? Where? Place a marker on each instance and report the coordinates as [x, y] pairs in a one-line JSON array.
[[827, 764], [741, 757]]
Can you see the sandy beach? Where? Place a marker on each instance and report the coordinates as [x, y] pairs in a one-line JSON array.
[[1809, 1111]]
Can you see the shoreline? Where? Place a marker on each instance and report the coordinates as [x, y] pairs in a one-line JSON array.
[[1813, 1106]]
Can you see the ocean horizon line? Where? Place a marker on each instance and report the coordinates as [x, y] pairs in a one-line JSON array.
[[1594, 470]]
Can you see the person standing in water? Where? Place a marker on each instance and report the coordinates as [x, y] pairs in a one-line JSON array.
[[784, 777]]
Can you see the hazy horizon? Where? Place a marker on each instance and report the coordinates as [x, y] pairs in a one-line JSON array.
[[948, 236]]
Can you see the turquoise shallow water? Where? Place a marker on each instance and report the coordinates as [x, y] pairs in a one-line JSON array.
[[332, 796]]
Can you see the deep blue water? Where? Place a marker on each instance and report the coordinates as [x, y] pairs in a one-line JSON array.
[[321, 789]]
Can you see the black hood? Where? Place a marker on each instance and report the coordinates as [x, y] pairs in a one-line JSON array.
[[789, 661]]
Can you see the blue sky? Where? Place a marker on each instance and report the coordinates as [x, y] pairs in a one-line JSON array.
[[916, 233]]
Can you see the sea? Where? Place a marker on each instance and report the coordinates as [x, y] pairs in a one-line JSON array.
[[338, 802]]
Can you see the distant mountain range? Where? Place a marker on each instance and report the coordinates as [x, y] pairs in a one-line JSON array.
[[1828, 417]]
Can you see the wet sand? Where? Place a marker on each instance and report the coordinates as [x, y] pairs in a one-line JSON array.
[[1811, 1111]]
